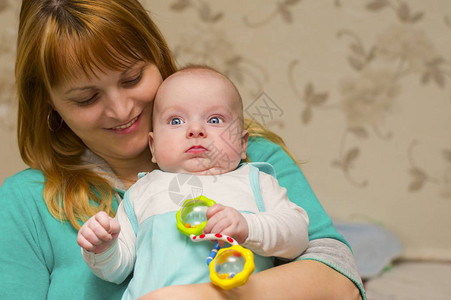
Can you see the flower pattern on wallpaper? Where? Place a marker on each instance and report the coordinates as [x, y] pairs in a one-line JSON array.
[[7, 53], [400, 8], [312, 99], [213, 47], [413, 52], [6, 101], [420, 176], [203, 9], [399, 50], [282, 9]]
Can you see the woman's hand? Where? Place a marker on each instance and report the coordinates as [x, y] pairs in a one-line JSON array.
[[306, 279], [98, 233]]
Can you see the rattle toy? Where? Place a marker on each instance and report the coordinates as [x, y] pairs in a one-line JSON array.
[[229, 267]]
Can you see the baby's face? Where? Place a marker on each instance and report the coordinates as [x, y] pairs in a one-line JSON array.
[[197, 125]]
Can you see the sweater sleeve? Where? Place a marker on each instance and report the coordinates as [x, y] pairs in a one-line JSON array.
[[24, 272], [282, 229], [326, 244]]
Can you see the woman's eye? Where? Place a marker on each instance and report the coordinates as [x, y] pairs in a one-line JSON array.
[[176, 121], [214, 120], [133, 81], [88, 101]]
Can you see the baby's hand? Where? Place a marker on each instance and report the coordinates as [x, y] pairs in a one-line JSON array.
[[228, 221], [98, 233]]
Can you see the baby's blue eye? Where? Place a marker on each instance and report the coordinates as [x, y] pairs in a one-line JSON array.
[[214, 120], [176, 121]]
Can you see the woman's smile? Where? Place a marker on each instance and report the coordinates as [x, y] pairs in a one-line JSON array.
[[127, 128]]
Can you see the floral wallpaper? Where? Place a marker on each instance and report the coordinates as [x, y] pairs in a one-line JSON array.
[[359, 89], [7, 54]]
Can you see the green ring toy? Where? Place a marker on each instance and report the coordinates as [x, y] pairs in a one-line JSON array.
[[191, 218]]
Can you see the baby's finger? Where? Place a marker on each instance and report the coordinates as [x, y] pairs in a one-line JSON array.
[[214, 209], [115, 228], [84, 243], [208, 226], [92, 237], [212, 221], [218, 217], [103, 219], [220, 226], [99, 232]]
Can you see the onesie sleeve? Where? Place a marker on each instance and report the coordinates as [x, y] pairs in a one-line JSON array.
[[282, 229], [24, 269], [117, 262]]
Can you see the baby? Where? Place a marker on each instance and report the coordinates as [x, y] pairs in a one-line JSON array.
[[198, 138]]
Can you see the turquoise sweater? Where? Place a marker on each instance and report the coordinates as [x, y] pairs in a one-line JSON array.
[[40, 258]]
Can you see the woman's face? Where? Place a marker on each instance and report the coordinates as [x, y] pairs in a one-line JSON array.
[[110, 112]]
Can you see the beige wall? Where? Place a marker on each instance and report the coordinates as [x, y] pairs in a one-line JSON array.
[[10, 161], [360, 90]]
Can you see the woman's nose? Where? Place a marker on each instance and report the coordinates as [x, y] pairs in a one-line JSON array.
[[118, 106], [196, 131]]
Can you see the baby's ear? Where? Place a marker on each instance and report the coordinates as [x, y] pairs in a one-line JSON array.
[[244, 141], [151, 146]]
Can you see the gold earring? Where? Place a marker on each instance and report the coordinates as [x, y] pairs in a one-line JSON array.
[[49, 125]]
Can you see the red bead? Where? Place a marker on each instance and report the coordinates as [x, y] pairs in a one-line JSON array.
[[218, 235], [201, 236], [230, 239]]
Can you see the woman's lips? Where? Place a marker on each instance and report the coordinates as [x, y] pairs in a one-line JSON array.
[[127, 127]]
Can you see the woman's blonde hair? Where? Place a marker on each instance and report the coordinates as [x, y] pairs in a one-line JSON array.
[[257, 130], [56, 40]]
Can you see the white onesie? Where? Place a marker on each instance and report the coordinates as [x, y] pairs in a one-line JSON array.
[[150, 245]]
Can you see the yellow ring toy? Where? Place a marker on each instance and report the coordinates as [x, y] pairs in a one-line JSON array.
[[231, 267]]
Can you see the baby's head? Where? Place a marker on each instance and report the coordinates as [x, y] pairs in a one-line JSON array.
[[198, 123]]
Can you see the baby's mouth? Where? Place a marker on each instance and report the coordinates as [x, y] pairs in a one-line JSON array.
[[197, 149]]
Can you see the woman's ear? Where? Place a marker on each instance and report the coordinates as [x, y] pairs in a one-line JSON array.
[[244, 141], [151, 147]]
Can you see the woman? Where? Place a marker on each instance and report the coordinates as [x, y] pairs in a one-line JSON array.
[[86, 75]]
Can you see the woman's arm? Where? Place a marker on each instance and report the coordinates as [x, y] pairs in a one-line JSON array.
[[307, 279], [326, 244]]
